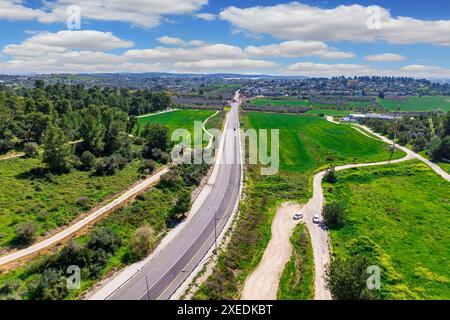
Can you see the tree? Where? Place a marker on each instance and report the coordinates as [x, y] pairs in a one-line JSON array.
[[157, 137], [92, 132], [114, 138], [441, 150], [88, 160], [183, 203], [26, 232], [333, 214], [104, 239], [447, 124], [347, 279], [57, 151], [330, 175], [31, 149], [141, 242], [52, 286]]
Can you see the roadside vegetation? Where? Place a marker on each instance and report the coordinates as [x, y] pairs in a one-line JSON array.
[[307, 144], [396, 218], [297, 280]]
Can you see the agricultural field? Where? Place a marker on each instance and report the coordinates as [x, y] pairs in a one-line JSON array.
[[52, 200], [297, 280], [398, 217], [425, 103], [261, 102], [306, 144], [309, 142]]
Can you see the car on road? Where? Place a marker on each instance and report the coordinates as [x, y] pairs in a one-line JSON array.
[[316, 219], [298, 216]]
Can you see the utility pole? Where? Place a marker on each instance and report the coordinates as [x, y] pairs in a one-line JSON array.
[[146, 282]]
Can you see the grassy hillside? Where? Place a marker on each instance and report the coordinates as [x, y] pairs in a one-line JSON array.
[[426, 103], [51, 200], [306, 143], [399, 217]]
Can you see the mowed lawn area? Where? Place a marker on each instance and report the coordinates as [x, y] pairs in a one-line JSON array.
[[307, 143], [178, 119], [398, 216], [51, 200], [426, 103]]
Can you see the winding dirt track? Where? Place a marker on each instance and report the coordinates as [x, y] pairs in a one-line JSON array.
[[263, 283]]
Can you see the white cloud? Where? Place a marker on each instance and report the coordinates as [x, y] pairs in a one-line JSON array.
[[206, 16], [171, 41], [299, 48], [343, 23], [385, 57], [44, 43], [211, 51], [144, 13]]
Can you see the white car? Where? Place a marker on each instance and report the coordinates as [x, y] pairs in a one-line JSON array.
[[316, 219], [298, 216]]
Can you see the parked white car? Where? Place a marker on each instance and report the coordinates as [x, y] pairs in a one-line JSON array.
[[316, 219], [298, 216]]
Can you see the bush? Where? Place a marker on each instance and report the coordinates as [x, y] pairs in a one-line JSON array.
[[148, 166], [31, 149], [157, 155], [104, 239], [330, 175], [83, 202], [333, 214], [74, 254], [346, 279], [52, 286], [170, 180], [26, 232], [440, 151], [183, 203], [109, 165], [141, 243], [87, 160]]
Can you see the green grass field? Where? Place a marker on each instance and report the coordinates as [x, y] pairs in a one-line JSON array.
[[309, 142], [426, 103], [329, 112], [306, 144], [178, 119], [398, 216], [50, 200], [297, 280]]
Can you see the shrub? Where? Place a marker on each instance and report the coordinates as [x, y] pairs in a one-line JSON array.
[[83, 202], [158, 155], [170, 180], [330, 176], [26, 232], [346, 279], [31, 149], [87, 160], [104, 239], [109, 165], [333, 214], [52, 286], [141, 243], [74, 254], [183, 202]]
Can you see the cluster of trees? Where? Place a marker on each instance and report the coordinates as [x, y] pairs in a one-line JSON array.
[[430, 133], [26, 113]]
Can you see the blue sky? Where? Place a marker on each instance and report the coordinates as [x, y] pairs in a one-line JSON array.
[[312, 38]]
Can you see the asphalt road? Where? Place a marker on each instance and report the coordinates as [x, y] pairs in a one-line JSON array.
[[174, 263]]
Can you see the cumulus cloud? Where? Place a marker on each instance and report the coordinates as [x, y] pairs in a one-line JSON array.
[[220, 65], [171, 41], [298, 48], [385, 57], [343, 23], [204, 52], [144, 13]]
